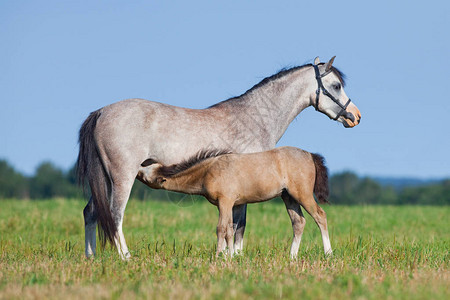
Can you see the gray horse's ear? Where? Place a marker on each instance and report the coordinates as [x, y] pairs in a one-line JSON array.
[[329, 64], [316, 60]]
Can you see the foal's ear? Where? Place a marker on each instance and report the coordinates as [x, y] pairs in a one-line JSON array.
[[316, 60], [329, 64]]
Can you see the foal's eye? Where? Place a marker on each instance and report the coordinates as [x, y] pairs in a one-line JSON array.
[[337, 86]]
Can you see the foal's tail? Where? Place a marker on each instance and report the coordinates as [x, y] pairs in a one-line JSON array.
[[321, 184], [91, 170]]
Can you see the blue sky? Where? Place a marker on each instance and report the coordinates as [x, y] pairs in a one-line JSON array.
[[60, 60]]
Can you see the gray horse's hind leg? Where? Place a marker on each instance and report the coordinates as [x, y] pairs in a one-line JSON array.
[[239, 222], [90, 226], [121, 193], [298, 222]]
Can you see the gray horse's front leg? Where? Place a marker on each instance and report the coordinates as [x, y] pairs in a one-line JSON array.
[[239, 221]]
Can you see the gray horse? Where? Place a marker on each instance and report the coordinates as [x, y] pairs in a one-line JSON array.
[[118, 141]]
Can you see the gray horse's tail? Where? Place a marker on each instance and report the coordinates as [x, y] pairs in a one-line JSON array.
[[321, 184], [90, 170]]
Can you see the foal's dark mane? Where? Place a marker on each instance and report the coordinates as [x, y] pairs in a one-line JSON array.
[[172, 170], [283, 72]]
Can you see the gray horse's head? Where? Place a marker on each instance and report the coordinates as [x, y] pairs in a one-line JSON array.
[[330, 97]]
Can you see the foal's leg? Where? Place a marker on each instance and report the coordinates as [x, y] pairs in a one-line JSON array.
[[320, 217], [225, 228], [239, 222], [298, 222], [90, 226]]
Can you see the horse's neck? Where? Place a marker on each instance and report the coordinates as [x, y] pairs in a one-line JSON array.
[[268, 110], [189, 181]]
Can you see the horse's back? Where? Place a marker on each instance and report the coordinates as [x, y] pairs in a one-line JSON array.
[[141, 111]]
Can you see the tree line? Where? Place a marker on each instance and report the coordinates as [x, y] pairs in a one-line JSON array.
[[347, 188]]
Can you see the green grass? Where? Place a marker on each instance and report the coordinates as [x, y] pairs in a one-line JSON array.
[[380, 252]]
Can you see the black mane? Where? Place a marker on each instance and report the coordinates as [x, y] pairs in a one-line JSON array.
[[172, 170], [283, 72]]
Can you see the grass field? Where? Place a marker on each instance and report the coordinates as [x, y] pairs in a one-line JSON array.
[[380, 252]]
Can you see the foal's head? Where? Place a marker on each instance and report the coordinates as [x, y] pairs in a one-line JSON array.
[[330, 97], [151, 175]]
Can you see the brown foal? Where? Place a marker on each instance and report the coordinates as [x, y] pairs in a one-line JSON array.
[[227, 180]]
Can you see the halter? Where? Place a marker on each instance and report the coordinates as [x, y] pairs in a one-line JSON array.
[[326, 93]]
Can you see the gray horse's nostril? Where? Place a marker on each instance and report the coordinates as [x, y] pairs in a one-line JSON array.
[[349, 116]]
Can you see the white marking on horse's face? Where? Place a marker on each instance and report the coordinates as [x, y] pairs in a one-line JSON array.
[[352, 116]]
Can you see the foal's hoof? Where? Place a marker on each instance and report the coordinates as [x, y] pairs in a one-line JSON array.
[[126, 256], [224, 255], [293, 257]]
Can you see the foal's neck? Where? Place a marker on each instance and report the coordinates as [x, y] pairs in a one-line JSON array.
[[189, 181]]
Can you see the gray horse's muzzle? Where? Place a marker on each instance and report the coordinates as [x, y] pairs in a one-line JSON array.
[[351, 117]]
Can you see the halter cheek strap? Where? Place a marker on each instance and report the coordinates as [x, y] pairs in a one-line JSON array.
[[326, 93]]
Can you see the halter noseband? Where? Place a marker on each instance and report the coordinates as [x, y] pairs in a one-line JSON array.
[[326, 93]]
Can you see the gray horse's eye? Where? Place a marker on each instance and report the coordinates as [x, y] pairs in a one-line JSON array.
[[337, 86]]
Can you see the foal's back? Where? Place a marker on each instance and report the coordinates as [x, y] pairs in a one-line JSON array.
[[255, 177]]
